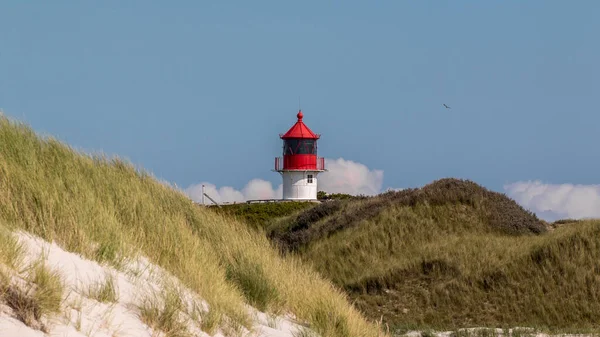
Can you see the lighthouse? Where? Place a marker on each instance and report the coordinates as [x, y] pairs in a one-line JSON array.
[[299, 165]]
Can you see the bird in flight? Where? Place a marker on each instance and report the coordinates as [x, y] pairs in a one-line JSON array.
[[447, 107]]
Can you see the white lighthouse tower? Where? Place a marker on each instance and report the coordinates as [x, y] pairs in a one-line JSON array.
[[299, 165]]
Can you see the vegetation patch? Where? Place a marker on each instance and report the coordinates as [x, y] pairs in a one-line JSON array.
[[429, 274], [40, 296], [323, 195], [256, 286], [496, 210], [11, 251], [209, 321], [24, 306], [164, 312], [259, 215], [450, 255], [104, 291], [48, 287], [304, 332], [106, 209]]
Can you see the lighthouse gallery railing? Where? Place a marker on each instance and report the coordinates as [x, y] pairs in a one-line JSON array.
[[279, 166]]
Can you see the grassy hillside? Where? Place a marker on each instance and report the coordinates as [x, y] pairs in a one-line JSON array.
[[108, 211], [451, 254], [261, 215]]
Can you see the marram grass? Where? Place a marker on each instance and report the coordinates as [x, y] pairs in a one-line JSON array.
[[108, 210], [104, 291], [445, 265], [41, 294]]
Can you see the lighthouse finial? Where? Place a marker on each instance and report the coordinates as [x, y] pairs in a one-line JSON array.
[[299, 115]]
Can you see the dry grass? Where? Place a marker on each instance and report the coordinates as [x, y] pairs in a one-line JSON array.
[[209, 321], [165, 312], [495, 210], [11, 251], [24, 306], [259, 215], [449, 255], [304, 332], [48, 287], [442, 266], [40, 296], [104, 291], [107, 210]]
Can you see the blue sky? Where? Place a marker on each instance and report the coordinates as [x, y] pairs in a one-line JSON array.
[[199, 91]]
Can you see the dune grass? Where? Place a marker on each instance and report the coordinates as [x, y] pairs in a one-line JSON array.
[[451, 255], [24, 306], [11, 251], [104, 291], [48, 287], [260, 215], [107, 210], [402, 237], [495, 210], [41, 294], [443, 266], [164, 312]]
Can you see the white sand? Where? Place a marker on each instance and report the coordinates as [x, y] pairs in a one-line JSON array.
[[82, 316]]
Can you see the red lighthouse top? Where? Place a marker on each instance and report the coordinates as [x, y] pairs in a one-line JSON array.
[[300, 149], [300, 130]]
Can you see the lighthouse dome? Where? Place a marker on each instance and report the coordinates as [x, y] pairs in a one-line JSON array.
[[300, 130]]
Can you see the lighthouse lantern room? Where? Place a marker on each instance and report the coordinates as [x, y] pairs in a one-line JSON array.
[[299, 165]]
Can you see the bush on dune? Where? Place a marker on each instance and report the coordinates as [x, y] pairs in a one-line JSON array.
[[496, 210], [450, 255]]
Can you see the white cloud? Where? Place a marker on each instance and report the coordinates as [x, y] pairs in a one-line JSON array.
[[261, 189], [343, 176], [346, 176], [557, 201], [223, 194]]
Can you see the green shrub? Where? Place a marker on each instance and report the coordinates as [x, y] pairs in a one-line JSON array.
[[499, 212], [258, 215]]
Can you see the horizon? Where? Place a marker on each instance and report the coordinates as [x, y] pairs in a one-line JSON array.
[[198, 93]]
